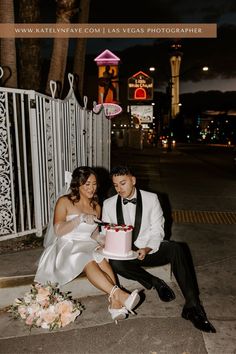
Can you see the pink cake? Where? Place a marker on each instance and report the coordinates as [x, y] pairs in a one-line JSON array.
[[118, 240]]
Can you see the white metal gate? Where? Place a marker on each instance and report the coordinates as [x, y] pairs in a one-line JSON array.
[[40, 138]]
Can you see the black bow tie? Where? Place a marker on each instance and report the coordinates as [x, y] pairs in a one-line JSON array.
[[125, 201]]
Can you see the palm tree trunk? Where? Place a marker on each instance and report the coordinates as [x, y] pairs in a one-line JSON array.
[[65, 10], [80, 50], [8, 47], [29, 48]]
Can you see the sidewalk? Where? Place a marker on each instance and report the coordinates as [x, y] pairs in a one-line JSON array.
[[158, 327]]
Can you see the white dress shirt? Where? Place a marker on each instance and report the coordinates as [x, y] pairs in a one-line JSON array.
[[129, 210]]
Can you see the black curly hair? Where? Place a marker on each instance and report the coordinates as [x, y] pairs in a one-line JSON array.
[[79, 177], [121, 171]]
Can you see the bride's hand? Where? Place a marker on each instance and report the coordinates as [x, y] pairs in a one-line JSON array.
[[87, 218]]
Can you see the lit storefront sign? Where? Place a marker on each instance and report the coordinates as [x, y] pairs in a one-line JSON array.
[[108, 89], [142, 113], [140, 87]]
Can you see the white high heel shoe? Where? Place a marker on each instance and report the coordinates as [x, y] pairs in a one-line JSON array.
[[132, 301], [118, 314]]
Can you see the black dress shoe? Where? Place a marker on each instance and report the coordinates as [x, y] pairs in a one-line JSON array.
[[164, 291], [197, 316]]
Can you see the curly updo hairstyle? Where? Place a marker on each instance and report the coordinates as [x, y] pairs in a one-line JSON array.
[[79, 177]]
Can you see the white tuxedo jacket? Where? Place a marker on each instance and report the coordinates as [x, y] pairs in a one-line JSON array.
[[149, 220]]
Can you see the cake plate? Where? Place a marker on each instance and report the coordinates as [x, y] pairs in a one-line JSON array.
[[100, 250]]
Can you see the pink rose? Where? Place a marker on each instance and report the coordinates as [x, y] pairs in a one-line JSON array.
[[22, 311], [64, 307], [33, 308], [48, 316], [29, 320], [66, 318], [45, 303], [43, 294]]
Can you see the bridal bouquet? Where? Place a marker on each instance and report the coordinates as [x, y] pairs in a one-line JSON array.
[[47, 307]]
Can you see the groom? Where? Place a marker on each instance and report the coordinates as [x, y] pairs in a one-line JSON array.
[[142, 209]]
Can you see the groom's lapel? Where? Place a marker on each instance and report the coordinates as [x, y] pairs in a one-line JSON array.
[[138, 214], [119, 213]]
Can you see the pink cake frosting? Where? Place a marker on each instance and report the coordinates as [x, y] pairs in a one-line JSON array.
[[118, 240]]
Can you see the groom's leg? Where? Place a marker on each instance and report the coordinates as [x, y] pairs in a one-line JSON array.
[[132, 270], [179, 256]]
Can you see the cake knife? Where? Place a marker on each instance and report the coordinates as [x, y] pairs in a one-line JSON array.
[[101, 223]]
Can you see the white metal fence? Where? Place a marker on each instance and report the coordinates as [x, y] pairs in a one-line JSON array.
[[40, 138]]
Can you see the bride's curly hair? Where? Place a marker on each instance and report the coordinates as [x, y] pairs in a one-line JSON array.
[[79, 177]]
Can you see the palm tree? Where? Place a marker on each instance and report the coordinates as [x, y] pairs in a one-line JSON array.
[[80, 50], [29, 65], [8, 48], [65, 10]]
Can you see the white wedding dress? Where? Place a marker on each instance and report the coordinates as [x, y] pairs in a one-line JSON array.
[[67, 256]]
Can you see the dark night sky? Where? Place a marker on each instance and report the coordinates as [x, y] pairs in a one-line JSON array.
[[219, 54], [162, 11]]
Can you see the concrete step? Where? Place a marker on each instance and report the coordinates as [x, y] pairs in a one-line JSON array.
[[18, 271]]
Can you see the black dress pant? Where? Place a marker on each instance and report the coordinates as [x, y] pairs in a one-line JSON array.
[[175, 253]]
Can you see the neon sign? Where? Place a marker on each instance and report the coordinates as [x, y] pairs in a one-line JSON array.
[[140, 87], [111, 109]]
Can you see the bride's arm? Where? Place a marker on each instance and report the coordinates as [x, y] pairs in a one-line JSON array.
[[96, 235], [61, 226]]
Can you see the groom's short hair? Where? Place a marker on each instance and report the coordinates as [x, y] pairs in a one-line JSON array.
[[121, 171]]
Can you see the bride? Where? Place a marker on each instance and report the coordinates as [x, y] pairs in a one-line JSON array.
[[75, 240]]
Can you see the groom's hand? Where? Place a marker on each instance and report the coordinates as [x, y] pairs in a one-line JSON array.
[[142, 253]]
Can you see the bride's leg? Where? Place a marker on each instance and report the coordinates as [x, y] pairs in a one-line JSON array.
[[101, 280], [102, 277], [106, 268], [120, 295]]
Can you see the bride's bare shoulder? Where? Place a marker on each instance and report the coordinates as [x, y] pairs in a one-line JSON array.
[[63, 200]]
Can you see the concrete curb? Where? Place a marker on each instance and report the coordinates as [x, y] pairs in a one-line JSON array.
[[16, 286]]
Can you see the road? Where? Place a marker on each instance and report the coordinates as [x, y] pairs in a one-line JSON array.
[[214, 156], [199, 177], [190, 178]]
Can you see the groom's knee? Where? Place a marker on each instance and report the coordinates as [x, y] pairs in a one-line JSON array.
[[117, 266]]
